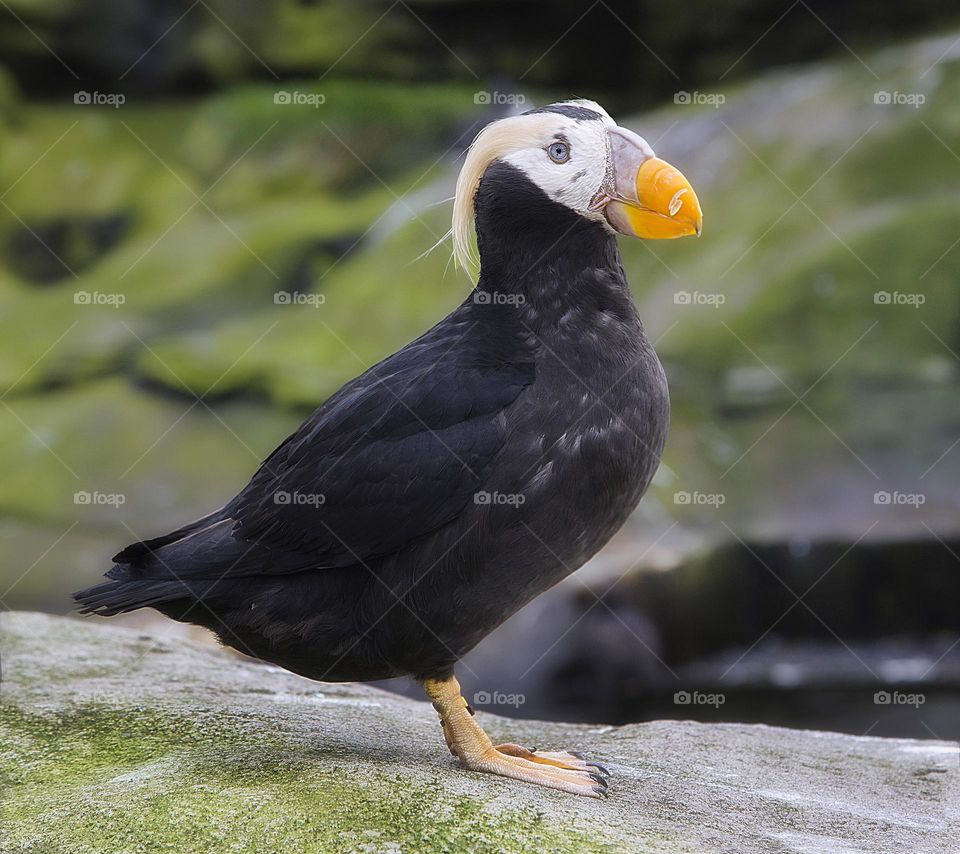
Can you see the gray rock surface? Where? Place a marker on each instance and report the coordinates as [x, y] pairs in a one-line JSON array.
[[116, 741]]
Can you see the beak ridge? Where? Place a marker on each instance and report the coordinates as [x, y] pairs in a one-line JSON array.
[[649, 198]]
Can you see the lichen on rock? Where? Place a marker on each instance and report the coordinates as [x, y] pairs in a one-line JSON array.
[[116, 741]]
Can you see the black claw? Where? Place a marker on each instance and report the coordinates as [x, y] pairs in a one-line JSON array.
[[470, 709], [575, 753], [599, 767], [599, 780], [601, 791]]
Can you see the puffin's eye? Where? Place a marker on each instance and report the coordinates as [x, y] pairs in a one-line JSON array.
[[559, 152]]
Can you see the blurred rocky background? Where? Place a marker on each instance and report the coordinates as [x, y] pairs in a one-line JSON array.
[[213, 213]]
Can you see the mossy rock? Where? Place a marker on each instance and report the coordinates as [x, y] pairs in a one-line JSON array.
[[92, 467], [347, 316], [227, 42], [812, 275], [143, 216], [169, 457], [113, 740], [202, 310]]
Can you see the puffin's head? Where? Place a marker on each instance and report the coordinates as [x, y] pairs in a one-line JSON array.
[[582, 159]]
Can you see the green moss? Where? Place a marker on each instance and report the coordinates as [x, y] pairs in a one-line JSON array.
[[199, 313], [275, 181], [111, 740], [41, 485], [169, 458], [372, 304], [100, 780]]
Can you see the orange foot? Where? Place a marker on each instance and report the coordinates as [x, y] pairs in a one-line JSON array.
[[568, 772]]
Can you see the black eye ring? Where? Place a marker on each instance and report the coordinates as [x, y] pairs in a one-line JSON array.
[[558, 152]]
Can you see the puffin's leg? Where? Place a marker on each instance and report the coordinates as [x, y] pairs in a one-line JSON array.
[[470, 744]]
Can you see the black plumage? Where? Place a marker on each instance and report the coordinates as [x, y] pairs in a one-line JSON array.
[[444, 488], [437, 493]]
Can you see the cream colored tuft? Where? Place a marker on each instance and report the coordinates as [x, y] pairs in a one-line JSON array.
[[495, 140]]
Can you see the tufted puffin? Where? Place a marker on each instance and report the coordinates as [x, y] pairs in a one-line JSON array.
[[441, 490]]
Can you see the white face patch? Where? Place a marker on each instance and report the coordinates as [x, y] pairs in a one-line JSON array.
[[524, 141], [575, 182]]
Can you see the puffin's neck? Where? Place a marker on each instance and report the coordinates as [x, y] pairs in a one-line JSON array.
[[543, 258]]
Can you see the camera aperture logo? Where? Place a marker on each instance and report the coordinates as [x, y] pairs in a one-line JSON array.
[[299, 99], [698, 698], [497, 298], [499, 99], [100, 499], [699, 298], [899, 698], [498, 698], [700, 499], [99, 99], [700, 99], [901, 499], [99, 298], [884, 98], [899, 298], [298, 298], [510, 499], [299, 499]]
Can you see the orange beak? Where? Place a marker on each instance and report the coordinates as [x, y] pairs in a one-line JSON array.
[[650, 198]]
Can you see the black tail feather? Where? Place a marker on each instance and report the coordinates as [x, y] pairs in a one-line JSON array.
[[119, 596], [198, 562], [159, 570], [127, 592], [137, 552]]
